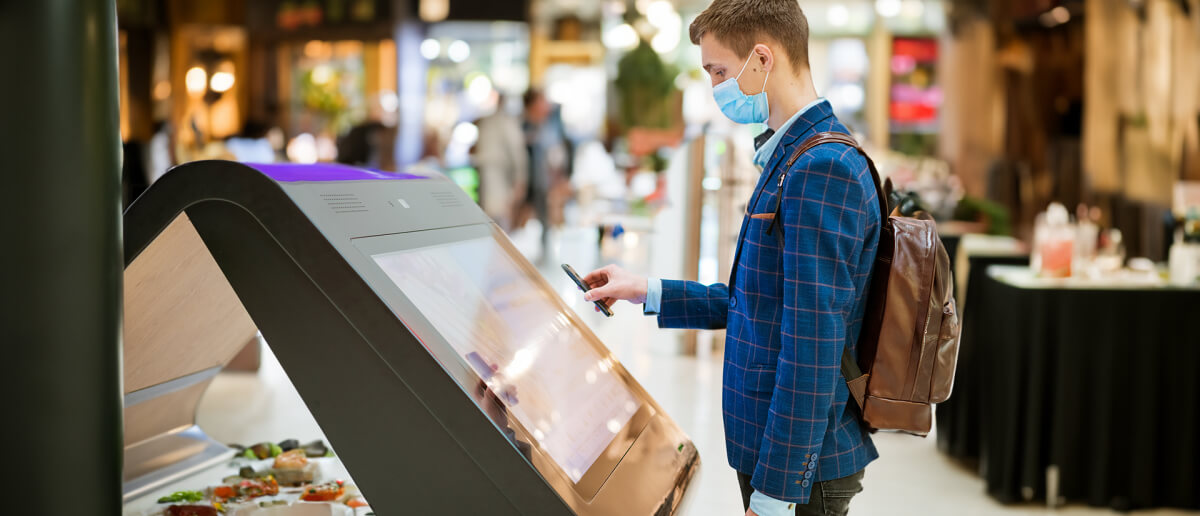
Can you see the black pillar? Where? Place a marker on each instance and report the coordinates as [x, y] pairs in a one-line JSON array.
[[60, 253]]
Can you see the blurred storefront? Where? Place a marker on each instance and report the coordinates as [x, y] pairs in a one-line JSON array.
[[977, 107], [1075, 102], [984, 111]]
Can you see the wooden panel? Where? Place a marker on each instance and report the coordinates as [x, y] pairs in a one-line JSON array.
[[1143, 100], [691, 230], [181, 315], [972, 135], [163, 414]]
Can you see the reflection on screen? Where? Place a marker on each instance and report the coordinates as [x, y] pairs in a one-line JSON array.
[[514, 336]]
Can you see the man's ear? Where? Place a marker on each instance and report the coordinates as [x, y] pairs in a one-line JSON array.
[[765, 57]]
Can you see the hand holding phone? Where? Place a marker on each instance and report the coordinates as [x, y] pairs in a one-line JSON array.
[[584, 287]]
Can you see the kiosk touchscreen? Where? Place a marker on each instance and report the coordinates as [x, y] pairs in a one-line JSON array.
[[555, 380], [446, 372]]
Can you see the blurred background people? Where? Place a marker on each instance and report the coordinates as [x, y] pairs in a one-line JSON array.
[[251, 144], [503, 163], [549, 161]]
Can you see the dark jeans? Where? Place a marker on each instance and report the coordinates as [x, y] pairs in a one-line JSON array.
[[829, 498]]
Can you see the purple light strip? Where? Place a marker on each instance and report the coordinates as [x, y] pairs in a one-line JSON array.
[[294, 173]]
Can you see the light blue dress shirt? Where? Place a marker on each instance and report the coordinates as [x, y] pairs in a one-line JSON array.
[[763, 154], [761, 504]]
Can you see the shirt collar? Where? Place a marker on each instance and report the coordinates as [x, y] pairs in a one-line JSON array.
[[763, 152]]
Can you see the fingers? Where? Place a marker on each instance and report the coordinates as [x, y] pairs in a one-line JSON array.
[[608, 302], [605, 291], [596, 278], [602, 275]]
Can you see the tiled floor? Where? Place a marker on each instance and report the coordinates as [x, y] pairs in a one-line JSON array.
[[911, 477]]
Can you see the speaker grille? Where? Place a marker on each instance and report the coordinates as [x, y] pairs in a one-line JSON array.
[[447, 199], [344, 203]]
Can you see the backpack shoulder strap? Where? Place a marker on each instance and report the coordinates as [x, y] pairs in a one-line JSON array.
[[855, 379], [845, 139]]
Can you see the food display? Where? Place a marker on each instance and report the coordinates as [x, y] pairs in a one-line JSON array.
[[191, 510], [267, 479], [262, 451], [316, 449], [291, 468], [182, 496], [326, 492], [246, 489], [267, 450]]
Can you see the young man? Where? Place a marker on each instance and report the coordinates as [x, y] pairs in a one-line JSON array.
[[797, 292]]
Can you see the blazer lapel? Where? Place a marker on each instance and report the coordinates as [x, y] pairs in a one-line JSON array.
[[801, 128]]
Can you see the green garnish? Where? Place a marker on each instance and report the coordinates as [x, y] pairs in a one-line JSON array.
[[182, 496], [329, 453], [275, 450], [249, 454]]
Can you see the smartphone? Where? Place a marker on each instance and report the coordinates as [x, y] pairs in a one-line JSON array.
[[584, 287]]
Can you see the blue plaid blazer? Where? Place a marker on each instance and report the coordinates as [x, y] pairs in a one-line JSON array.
[[797, 295]]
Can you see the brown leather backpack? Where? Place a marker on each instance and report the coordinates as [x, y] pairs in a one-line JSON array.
[[908, 348]]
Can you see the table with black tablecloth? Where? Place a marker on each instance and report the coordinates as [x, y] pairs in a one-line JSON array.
[[958, 418], [1095, 387]]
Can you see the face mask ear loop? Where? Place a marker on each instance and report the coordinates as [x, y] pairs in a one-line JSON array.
[[766, 99], [739, 75]]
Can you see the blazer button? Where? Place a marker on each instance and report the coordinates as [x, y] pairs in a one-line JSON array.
[[733, 302], [804, 483]]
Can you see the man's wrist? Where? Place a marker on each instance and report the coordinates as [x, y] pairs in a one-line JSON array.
[[653, 298]]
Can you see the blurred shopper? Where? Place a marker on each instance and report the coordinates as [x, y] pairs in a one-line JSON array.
[[798, 287], [503, 165], [547, 150], [251, 145], [368, 144], [159, 156], [371, 143]]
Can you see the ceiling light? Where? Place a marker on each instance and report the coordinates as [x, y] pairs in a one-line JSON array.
[[458, 51], [1056, 16], [430, 48], [888, 8], [622, 36], [221, 82], [838, 15], [196, 80], [434, 10]]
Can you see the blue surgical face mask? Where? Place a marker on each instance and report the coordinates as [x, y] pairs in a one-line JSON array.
[[739, 107]]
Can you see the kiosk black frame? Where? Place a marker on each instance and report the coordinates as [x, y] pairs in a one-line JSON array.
[[287, 249]]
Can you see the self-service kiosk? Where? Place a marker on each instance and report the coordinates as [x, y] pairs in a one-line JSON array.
[[445, 371]]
